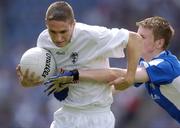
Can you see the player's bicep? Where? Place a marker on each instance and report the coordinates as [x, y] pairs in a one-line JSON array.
[[141, 75]]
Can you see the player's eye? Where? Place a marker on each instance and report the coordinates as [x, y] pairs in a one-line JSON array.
[[53, 32], [63, 32]]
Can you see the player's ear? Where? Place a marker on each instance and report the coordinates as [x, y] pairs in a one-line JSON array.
[[160, 43]]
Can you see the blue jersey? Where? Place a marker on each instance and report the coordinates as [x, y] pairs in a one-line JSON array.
[[164, 82]]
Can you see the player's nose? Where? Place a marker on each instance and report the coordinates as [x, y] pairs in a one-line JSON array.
[[59, 38]]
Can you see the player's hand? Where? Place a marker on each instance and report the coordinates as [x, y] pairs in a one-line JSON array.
[[122, 83], [27, 79], [61, 81]]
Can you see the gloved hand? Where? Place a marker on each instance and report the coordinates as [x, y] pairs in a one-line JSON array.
[[61, 81], [62, 94]]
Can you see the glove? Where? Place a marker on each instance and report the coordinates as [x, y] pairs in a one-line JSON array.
[[61, 81], [62, 94]]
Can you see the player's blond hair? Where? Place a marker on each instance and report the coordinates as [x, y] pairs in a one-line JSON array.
[[161, 28], [60, 11]]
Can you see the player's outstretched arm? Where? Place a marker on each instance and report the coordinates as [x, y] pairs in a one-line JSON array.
[[27, 79], [134, 48], [112, 75], [61, 81], [101, 75]]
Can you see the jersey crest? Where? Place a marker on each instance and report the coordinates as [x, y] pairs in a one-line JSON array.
[[74, 57]]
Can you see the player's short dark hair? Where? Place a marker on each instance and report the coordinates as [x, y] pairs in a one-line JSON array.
[[60, 11], [161, 28]]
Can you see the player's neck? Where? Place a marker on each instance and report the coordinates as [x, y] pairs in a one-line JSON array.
[[149, 56]]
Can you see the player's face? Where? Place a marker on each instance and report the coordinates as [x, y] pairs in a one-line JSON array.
[[60, 32], [148, 40]]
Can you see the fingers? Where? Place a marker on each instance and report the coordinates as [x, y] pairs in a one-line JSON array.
[[38, 80], [54, 88], [27, 79], [18, 72], [120, 83], [32, 75], [60, 80], [26, 74], [117, 81], [52, 91], [66, 79], [49, 88], [61, 87], [121, 87]]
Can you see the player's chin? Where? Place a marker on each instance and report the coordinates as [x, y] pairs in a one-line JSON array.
[[63, 44]]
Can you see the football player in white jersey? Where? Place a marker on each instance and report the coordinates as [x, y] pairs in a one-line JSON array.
[[76, 45], [159, 69]]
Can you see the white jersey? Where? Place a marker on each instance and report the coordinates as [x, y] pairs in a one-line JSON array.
[[90, 48]]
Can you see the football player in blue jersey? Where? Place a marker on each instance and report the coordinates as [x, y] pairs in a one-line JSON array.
[[159, 69]]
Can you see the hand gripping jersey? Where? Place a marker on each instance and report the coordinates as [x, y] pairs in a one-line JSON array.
[[164, 82], [90, 48]]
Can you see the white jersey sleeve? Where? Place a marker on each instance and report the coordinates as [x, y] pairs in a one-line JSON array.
[[45, 41], [111, 42]]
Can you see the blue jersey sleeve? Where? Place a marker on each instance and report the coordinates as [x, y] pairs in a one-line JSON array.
[[160, 71]]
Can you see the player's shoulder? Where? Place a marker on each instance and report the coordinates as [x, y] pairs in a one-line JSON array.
[[89, 29], [44, 39], [171, 59], [164, 57], [98, 31], [83, 30], [166, 61], [44, 33], [158, 61]]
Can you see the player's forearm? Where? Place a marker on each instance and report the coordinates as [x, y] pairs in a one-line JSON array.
[[101, 75], [134, 49]]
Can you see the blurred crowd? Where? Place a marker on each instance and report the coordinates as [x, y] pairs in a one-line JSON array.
[[20, 23]]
